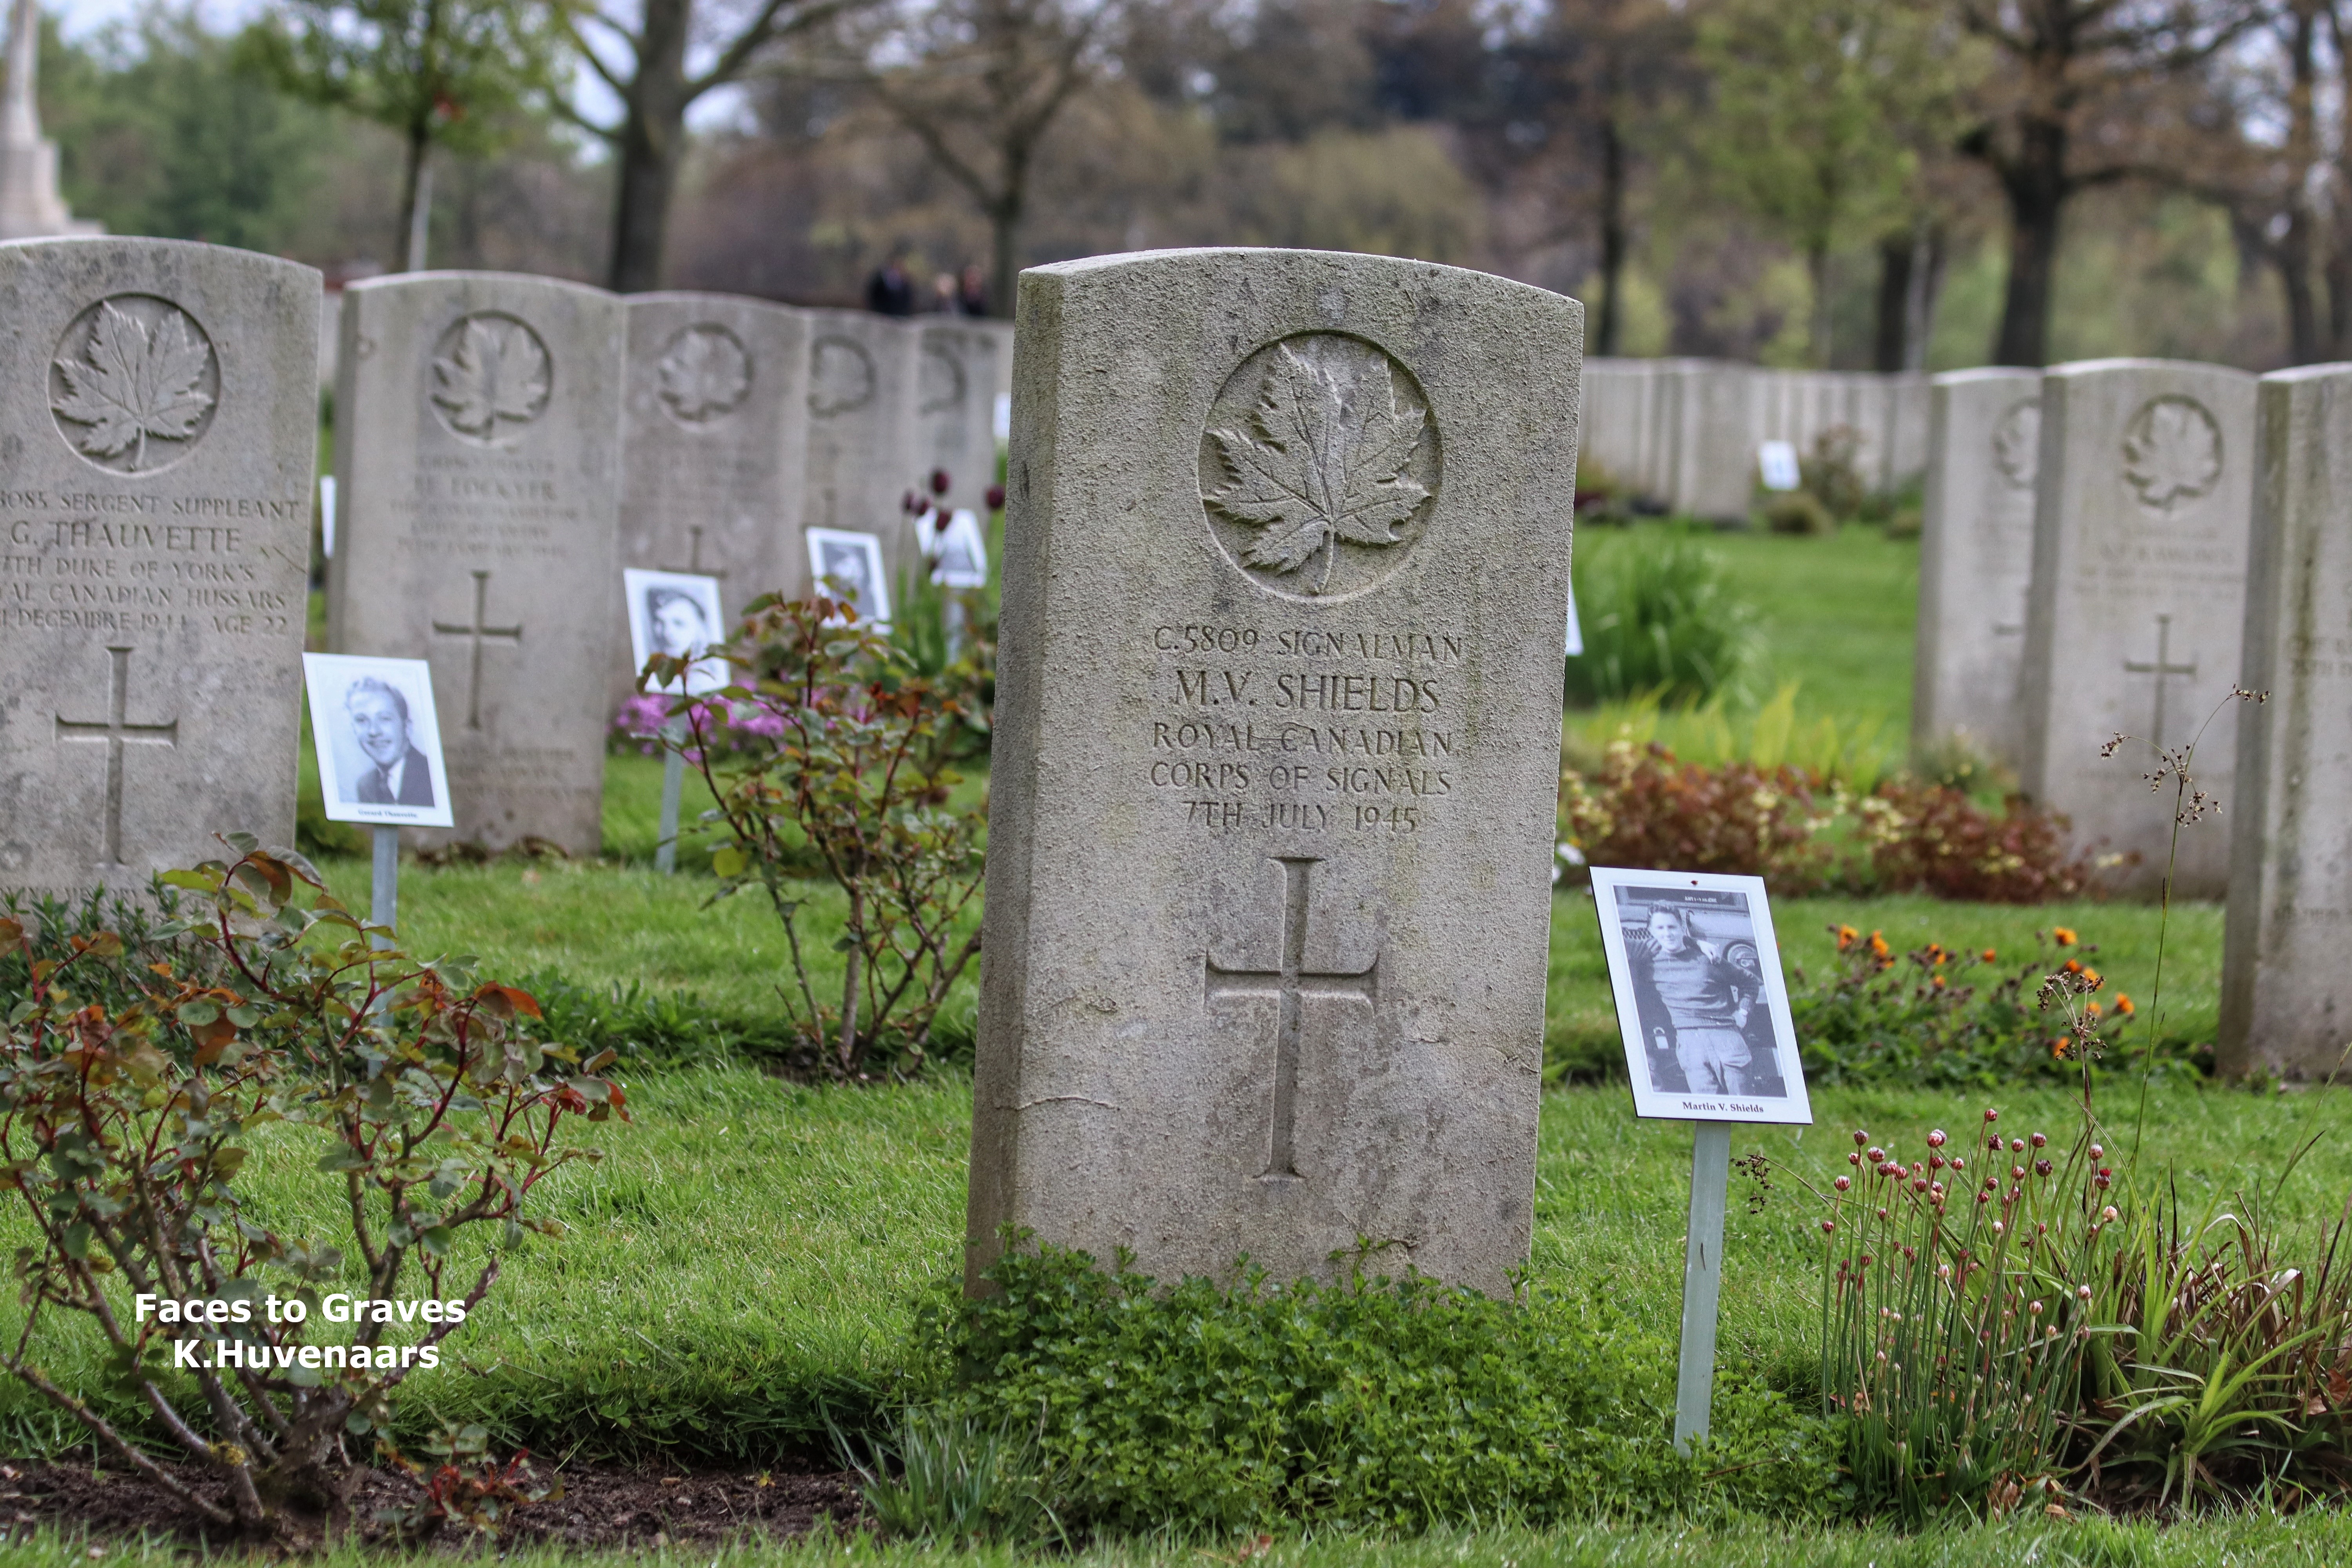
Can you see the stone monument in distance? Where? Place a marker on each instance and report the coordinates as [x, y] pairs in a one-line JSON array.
[[1271, 827], [161, 423]]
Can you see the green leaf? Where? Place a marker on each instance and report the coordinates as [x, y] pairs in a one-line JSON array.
[[728, 862]]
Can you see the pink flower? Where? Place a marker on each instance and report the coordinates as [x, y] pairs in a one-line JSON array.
[[1936, 1138]]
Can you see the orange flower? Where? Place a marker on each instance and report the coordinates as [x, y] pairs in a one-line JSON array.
[[1878, 944], [2058, 1047], [2091, 1010], [1847, 936], [1938, 981], [1986, 955], [2093, 976], [2124, 1007], [2073, 966], [2065, 936]]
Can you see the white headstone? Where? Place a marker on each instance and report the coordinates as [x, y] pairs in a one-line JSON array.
[[2286, 990], [864, 455], [479, 446], [956, 409], [1271, 831], [2136, 611], [1976, 558], [161, 428]]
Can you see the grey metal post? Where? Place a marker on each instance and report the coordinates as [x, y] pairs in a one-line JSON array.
[[383, 893], [954, 618], [1702, 1279], [673, 787]]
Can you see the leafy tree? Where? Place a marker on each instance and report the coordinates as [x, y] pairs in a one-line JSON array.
[[1812, 101], [443, 73], [655, 90], [162, 132]]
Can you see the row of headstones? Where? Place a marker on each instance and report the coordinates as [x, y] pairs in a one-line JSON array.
[[507, 444], [505, 447], [2110, 548], [1683, 433]]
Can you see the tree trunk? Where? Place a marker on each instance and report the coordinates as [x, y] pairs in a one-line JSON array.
[[2037, 188], [2296, 255], [1896, 253], [1005, 249], [1927, 288], [1608, 333], [1817, 270], [653, 134], [413, 193]]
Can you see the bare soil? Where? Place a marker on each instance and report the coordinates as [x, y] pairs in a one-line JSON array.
[[599, 1507]]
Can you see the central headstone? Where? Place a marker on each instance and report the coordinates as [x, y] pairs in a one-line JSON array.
[[955, 409], [864, 381], [159, 419], [1976, 558], [1278, 728], [717, 428], [2144, 495], [477, 453]]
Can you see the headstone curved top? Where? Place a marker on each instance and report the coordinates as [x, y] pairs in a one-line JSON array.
[[955, 406], [1976, 559], [2144, 489], [1286, 556], [716, 414], [158, 416], [478, 454]]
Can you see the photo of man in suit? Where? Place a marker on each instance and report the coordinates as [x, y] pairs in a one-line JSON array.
[[378, 716]]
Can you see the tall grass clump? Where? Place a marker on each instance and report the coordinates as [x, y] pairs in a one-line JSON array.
[[1659, 617]]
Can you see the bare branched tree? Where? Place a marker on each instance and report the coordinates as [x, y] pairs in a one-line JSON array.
[[979, 83], [646, 60]]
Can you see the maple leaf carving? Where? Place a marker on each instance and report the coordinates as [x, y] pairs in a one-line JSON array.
[[132, 382], [2172, 453], [705, 374], [497, 370], [1327, 465]]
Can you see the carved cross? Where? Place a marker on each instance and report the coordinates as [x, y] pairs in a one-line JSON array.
[[2161, 669], [694, 557], [1290, 984], [478, 632], [116, 731]]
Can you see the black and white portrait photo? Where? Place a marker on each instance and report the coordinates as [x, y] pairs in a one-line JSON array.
[[377, 739], [677, 615], [853, 563], [1700, 999]]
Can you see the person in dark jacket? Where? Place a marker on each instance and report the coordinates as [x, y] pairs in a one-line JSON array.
[[891, 291], [1687, 988], [378, 716]]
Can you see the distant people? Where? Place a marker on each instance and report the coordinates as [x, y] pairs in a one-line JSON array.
[[680, 626], [972, 294], [891, 291], [944, 300], [378, 716]]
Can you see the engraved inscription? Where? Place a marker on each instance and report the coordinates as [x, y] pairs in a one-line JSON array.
[[706, 374], [115, 732], [490, 377], [1306, 729], [841, 377], [130, 577], [133, 383], [1289, 985], [2172, 453], [1319, 466], [2016, 444]]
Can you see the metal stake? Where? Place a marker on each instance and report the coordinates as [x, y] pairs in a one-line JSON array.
[[383, 894], [673, 786], [1702, 1279]]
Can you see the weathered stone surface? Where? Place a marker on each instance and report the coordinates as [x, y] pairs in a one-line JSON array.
[[2135, 614], [715, 434], [1976, 557], [158, 412], [864, 455], [955, 408], [1271, 815], [479, 462], [2286, 990]]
